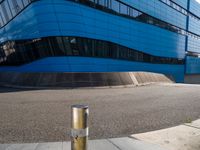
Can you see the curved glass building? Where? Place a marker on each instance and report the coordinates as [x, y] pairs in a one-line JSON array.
[[161, 36]]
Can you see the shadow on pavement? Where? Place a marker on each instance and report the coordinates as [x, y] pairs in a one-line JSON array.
[[10, 89]]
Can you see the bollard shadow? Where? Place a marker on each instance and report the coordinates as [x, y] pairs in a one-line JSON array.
[[13, 89]]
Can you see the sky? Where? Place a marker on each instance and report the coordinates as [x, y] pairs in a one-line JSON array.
[[198, 1]]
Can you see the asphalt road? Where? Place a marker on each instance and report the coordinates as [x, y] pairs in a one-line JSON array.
[[44, 115]]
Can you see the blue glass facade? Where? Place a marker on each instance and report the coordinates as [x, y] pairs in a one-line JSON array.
[[160, 36]]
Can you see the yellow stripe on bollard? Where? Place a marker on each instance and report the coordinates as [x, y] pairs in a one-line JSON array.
[[79, 127]]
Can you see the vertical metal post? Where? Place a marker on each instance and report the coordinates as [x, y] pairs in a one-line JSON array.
[[79, 127]]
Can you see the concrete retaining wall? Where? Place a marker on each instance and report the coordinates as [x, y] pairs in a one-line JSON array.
[[72, 80]]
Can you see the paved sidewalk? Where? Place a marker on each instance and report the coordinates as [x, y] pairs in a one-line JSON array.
[[106, 144], [183, 137]]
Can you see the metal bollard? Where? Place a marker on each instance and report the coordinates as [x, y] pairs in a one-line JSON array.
[[79, 127]]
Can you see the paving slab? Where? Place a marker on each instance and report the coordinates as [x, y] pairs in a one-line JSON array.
[[195, 124], [132, 144], [31, 146], [3, 146], [49, 146], [92, 145], [101, 145], [182, 137], [104, 144]]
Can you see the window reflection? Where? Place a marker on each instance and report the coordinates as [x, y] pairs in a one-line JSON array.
[[10, 8], [20, 52], [119, 8]]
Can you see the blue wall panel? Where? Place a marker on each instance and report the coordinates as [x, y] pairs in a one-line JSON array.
[[195, 7], [193, 65], [70, 19], [64, 18], [193, 45], [86, 64], [22, 27], [182, 3], [194, 25], [159, 10]]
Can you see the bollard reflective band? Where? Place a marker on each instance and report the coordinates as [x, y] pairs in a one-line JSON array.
[[79, 132]]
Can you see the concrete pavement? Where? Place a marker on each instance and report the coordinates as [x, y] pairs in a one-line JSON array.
[[183, 137], [106, 144]]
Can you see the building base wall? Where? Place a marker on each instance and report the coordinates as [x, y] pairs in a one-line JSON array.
[[87, 64], [77, 80], [192, 79]]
